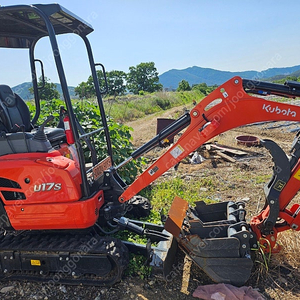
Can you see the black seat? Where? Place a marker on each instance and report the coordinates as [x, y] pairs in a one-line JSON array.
[[14, 112], [15, 116], [22, 142]]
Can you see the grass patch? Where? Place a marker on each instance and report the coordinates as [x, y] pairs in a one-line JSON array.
[[259, 179], [138, 267], [163, 193], [132, 107]]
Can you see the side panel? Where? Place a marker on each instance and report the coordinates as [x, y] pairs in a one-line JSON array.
[[76, 215], [39, 179]]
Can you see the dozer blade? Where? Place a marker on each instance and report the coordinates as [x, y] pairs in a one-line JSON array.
[[215, 237], [161, 256]]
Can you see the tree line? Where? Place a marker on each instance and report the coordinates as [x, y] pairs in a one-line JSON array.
[[141, 78], [202, 87]]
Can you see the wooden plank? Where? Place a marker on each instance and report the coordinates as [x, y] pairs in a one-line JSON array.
[[234, 148], [234, 151], [186, 273], [226, 157]]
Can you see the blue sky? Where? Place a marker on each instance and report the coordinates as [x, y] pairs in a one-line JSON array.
[[225, 35]]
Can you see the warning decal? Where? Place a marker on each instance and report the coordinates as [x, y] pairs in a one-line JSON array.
[[177, 151], [279, 185], [153, 170], [297, 175]]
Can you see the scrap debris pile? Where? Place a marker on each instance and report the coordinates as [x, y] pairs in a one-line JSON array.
[[216, 152]]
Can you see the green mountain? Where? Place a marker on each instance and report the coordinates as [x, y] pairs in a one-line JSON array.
[[23, 90], [196, 75], [280, 77]]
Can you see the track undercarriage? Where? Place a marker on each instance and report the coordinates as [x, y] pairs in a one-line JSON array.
[[82, 258], [63, 258]]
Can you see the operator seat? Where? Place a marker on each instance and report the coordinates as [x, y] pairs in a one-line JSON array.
[[14, 112], [15, 116]]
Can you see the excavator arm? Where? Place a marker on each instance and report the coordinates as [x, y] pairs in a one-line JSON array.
[[228, 107], [217, 237]]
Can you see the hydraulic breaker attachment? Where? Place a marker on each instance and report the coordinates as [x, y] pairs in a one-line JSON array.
[[216, 237]]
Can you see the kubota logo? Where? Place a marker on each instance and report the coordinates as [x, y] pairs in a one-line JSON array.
[[272, 109]]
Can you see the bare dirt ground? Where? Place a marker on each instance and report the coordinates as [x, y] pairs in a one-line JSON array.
[[242, 179]]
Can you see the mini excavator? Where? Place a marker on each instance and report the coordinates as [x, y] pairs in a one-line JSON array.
[[55, 209]]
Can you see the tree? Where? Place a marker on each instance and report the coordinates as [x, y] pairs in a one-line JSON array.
[[84, 90], [143, 77], [203, 88], [48, 92], [183, 86], [289, 77], [116, 82]]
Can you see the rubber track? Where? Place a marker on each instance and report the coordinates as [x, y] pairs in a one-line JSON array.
[[90, 244]]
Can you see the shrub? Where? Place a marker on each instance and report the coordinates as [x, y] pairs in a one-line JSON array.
[[163, 103], [88, 115]]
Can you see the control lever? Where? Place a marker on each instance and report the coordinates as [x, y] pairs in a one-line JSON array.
[[40, 134]]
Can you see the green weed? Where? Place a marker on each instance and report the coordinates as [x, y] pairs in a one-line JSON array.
[[163, 193], [138, 267], [132, 107], [262, 178]]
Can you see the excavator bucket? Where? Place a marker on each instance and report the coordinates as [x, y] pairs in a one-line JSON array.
[[215, 236]]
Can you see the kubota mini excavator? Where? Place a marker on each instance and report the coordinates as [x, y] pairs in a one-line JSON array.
[[52, 206]]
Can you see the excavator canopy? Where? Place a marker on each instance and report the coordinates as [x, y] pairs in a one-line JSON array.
[[23, 25]]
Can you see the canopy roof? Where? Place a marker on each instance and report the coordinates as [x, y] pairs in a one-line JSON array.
[[22, 25]]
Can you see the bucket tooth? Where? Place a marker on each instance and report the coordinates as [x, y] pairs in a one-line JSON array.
[[215, 237]]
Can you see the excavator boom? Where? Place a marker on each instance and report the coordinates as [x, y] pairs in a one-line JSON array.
[[217, 237], [228, 107]]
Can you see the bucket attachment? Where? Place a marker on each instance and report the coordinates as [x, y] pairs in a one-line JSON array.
[[215, 236]]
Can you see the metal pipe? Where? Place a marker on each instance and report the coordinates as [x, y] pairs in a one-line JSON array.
[[64, 86], [123, 163], [34, 84], [82, 136], [171, 130], [290, 89], [99, 98]]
